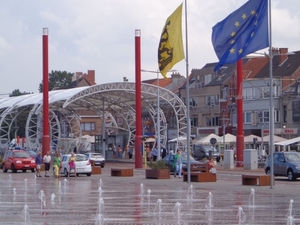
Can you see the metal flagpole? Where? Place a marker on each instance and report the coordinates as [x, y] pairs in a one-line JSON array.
[[158, 119], [188, 123], [271, 112]]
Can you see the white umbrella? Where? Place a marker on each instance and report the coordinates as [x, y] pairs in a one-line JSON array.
[[249, 138], [206, 140], [229, 138]]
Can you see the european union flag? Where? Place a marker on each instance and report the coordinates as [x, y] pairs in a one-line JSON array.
[[242, 32]]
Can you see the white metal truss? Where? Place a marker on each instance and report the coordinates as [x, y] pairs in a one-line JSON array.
[[119, 97], [123, 98]]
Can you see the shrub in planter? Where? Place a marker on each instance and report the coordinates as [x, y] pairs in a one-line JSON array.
[[158, 170], [160, 164]]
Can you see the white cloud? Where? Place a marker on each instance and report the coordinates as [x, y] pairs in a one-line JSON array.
[[99, 35]]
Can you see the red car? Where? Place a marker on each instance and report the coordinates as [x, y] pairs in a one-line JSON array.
[[15, 160]]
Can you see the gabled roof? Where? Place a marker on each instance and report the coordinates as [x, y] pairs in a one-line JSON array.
[[281, 69]]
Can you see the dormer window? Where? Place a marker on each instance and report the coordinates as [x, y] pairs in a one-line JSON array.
[[207, 78]]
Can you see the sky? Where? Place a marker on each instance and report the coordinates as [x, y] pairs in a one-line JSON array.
[[100, 35]]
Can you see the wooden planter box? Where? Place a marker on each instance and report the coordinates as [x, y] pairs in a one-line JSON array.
[[158, 174]]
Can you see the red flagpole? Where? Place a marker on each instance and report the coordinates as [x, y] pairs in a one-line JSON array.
[[46, 137], [240, 127], [138, 101]]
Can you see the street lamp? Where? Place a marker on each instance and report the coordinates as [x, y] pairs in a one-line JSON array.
[[158, 103]]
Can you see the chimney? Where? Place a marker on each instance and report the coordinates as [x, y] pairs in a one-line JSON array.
[[91, 77], [283, 54]]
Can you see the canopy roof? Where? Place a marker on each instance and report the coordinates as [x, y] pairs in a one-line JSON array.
[[288, 142], [276, 139]]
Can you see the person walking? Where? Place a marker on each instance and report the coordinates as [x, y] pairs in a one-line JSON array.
[[163, 152], [114, 150], [38, 162], [154, 153], [177, 163], [130, 152], [119, 152], [72, 165], [47, 161], [57, 165]]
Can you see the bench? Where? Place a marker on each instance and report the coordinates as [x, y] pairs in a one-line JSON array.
[[260, 180], [200, 173], [118, 172], [199, 167], [95, 169]]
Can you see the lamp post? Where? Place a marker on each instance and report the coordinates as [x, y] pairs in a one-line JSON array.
[[158, 115]]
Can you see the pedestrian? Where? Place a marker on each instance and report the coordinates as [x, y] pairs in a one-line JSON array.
[[72, 165], [177, 164], [126, 152], [38, 162], [114, 151], [163, 152], [154, 154], [119, 152], [211, 165], [47, 160], [57, 165], [130, 152]]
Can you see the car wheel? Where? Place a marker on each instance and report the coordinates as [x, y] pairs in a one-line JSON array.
[[3, 168], [268, 171], [32, 170], [102, 166], [65, 172], [13, 169], [291, 175], [88, 174], [24, 171]]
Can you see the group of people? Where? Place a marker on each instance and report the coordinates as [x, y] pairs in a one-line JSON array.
[[177, 164], [118, 153], [57, 164]]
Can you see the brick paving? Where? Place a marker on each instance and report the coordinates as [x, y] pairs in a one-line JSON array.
[[103, 199]]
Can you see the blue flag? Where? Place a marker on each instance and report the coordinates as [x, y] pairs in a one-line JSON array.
[[242, 32]]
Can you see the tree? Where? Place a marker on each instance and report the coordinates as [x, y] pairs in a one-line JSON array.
[[20, 121], [17, 92], [58, 80]]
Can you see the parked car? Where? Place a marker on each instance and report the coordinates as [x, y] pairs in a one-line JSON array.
[[169, 159], [203, 151], [83, 165], [286, 164], [15, 160], [31, 153], [97, 158]]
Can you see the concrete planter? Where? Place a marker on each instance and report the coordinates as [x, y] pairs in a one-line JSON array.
[[157, 174]]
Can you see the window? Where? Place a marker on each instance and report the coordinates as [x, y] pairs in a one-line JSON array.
[[213, 121], [247, 93], [87, 126], [207, 78], [193, 102], [285, 114], [265, 92], [247, 117], [194, 121], [263, 116], [225, 92], [212, 100]]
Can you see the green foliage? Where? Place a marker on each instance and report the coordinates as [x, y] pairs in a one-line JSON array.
[[58, 80], [17, 92], [160, 164]]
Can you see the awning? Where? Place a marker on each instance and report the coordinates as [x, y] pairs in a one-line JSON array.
[[288, 142]]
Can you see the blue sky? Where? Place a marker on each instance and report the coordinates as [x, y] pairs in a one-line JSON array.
[[99, 35]]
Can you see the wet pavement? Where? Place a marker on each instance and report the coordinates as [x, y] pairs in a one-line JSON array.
[[102, 199]]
